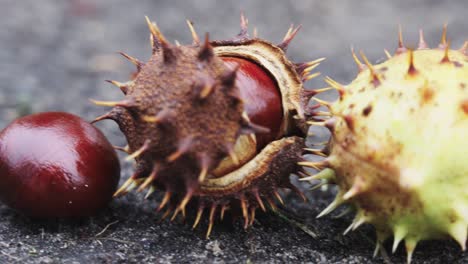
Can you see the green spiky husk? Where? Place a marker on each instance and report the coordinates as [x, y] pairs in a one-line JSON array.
[[399, 146]]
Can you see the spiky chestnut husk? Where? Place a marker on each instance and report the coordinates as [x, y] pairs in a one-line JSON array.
[[399, 145], [189, 129]]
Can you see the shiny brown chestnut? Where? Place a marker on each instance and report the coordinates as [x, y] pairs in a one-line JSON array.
[[56, 165], [261, 96]]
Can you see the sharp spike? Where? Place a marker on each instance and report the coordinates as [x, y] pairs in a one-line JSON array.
[[318, 152], [288, 33], [377, 249], [244, 24], [359, 64], [134, 184], [334, 83], [259, 200], [458, 231], [196, 39], [310, 93], [412, 71], [289, 37], [300, 67], [207, 90], [250, 128], [322, 102], [224, 207], [355, 189], [310, 76], [308, 70], [375, 79], [326, 174], [204, 164], [198, 217], [316, 123], [399, 235], [123, 189], [206, 52], [337, 202], [149, 179], [232, 154], [184, 214], [338, 86], [163, 116], [389, 56], [183, 147], [464, 48], [125, 149], [401, 46], [154, 29], [166, 213], [278, 197], [252, 215], [255, 32], [123, 103], [108, 115], [446, 58], [358, 220], [183, 203], [323, 143], [297, 191], [243, 203], [155, 42], [272, 205], [443, 39], [123, 86], [319, 185], [177, 43], [350, 227], [318, 165], [165, 200], [211, 220], [151, 190], [133, 60], [140, 151], [410, 245], [422, 43]]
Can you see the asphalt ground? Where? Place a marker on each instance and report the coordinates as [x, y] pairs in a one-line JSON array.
[[55, 54]]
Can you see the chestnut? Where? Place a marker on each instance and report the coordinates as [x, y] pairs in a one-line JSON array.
[[56, 164], [261, 96]]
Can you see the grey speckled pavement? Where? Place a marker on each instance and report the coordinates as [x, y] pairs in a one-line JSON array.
[[55, 54]]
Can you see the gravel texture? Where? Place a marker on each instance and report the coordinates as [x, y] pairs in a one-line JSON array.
[[55, 54]]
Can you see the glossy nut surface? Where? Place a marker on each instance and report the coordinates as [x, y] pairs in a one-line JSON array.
[[262, 99], [56, 165]]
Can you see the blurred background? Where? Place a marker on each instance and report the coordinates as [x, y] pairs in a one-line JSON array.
[[55, 54]]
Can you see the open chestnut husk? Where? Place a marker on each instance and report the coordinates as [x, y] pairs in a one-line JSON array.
[[220, 124]]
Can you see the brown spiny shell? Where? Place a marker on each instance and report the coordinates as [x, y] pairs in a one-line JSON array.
[[183, 115]]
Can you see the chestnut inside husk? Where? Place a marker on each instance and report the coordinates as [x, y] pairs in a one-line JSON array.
[[220, 121]]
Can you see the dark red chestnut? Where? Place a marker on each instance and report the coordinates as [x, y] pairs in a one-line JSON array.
[[56, 165], [261, 97]]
